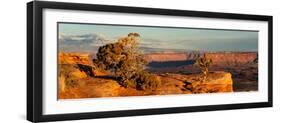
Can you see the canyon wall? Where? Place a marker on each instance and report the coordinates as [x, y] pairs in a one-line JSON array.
[[74, 58], [162, 57], [233, 58], [224, 58]]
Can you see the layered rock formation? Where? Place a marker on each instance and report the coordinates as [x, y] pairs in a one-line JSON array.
[[217, 82], [162, 57], [74, 58], [76, 79], [233, 58], [224, 58]]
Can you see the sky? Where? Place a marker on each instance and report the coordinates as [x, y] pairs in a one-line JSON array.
[[88, 37]]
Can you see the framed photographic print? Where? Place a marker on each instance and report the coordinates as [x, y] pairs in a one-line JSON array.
[[96, 61]]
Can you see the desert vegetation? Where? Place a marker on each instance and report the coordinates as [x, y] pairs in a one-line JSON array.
[[204, 64], [126, 61]]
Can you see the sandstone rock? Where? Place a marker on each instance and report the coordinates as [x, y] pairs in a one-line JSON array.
[[78, 74], [161, 57], [79, 66], [232, 58], [101, 88], [187, 84], [62, 83], [216, 82], [100, 73], [171, 84], [219, 58], [74, 58]]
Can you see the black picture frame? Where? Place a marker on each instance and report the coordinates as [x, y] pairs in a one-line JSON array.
[[35, 69]]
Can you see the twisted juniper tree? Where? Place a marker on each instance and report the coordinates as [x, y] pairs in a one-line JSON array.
[[204, 63], [126, 61]]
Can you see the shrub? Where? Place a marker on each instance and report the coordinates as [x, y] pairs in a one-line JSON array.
[[146, 80]]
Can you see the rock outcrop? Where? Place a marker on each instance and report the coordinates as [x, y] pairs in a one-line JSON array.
[[74, 58], [216, 82], [78, 79], [219, 58]]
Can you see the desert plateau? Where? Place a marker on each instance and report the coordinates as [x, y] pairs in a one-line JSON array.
[[100, 60], [230, 72]]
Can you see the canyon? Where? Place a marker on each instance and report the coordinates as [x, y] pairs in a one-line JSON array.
[[231, 71]]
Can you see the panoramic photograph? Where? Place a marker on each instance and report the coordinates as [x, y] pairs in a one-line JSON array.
[[102, 60]]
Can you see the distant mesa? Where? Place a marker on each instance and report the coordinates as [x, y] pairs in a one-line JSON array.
[[162, 57], [219, 58], [233, 58]]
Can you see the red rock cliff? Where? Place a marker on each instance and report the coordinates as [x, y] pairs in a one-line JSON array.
[[74, 58], [225, 58], [162, 57], [232, 58]]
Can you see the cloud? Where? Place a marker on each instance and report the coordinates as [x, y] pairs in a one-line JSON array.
[[156, 43], [223, 44], [84, 42], [91, 43], [205, 44]]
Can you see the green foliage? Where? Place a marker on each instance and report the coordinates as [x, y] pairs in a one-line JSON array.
[[204, 63], [124, 59]]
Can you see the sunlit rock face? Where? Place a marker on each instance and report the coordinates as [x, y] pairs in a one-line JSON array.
[[230, 58], [78, 79], [74, 58], [162, 57], [218, 81], [219, 58]]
